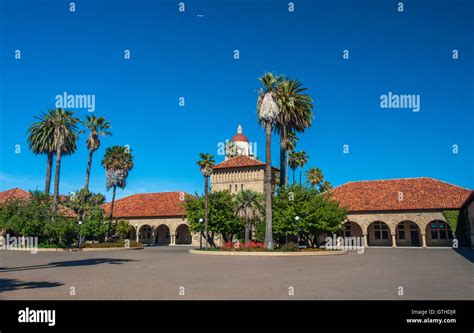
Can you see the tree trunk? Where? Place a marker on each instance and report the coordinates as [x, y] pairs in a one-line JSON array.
[[56, 179], [88, 171], [112, 203], [49, 168], [283, 157], [268, 188], [206, 198], [294, 176], [301, 169], [247, 238], [286, 167]]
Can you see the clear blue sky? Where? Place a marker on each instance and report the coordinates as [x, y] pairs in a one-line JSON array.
[[177, 54]]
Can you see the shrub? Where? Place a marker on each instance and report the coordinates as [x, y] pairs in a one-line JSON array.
[[289, 247], [248, 246], [119, 243]]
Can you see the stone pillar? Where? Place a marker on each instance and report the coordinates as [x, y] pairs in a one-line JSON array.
[[394, 241], [365, 240], [136, 233], [423, 240], [172, 239]]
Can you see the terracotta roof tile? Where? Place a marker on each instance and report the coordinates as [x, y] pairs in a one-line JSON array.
[[385, 195], [20, 194], [164, 204], [239, 161]]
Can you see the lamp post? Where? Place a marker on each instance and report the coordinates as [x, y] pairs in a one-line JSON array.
[[297, 218], [200, 235], [206, 172], [79, 234]]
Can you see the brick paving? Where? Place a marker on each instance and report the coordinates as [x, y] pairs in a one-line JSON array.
[[158, 273]]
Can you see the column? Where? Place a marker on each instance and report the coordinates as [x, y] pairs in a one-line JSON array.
[[136, 233], [365, 240], [172, 239], [423, 239], [394, 241]]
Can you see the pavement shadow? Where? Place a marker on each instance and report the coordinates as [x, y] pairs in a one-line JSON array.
[[466, 252], [14, 284], [69, 263]]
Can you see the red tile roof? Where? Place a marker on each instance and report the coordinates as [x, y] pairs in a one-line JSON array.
[[20, 194], [238, 162], [164, 204], [384, 195]]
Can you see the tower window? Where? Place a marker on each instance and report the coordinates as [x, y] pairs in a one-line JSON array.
[[241, 187]]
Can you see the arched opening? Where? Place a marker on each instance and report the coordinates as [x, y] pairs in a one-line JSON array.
[[133, 234], [145, 234], [162, 235], [438, 233], [379, 234], [352, 229], [183, 236], [408, 234]]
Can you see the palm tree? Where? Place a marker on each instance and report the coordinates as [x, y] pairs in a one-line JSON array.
[[302, 159], [248, 207], [293, 163], [117, 162], [296, 116], [41, 141], [64, 131], [97, 127], [314, 176], [268, 111], [206, 163], [325, 186]]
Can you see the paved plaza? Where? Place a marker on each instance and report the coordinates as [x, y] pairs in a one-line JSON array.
[[161, 273]]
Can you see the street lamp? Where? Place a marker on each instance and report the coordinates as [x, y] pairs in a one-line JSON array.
[[297, 218], [200, 235], [206, 172], [79, 234]]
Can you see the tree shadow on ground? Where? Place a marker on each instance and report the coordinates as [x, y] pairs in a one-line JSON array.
[[466, 252], [84, 262], [14, 284]]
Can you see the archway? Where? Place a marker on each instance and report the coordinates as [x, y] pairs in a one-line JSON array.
[[438, 233], [145, 234], [352, 229], [183, 236], [162, 235], [378, 234], [408, 234]]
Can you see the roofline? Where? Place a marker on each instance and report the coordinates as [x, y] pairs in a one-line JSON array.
[[414, 210], [148, 216]]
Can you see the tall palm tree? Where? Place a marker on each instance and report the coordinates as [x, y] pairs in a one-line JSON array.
[[117, 162], [41, 141], [248, 207], [296, 116], [97, 127], [293, 163], [267, 112], [64, 129], [206, 163], [314, 176], [302, 159]]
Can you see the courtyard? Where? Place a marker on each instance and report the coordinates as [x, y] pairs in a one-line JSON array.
[[165, 273]]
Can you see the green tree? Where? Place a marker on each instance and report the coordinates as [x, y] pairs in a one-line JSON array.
[[222, 218], [267, 112], [64, 130], [41, 141], [301, 160], [315, 178], [206, 163], [293, 163], [303, 212], [117, 162], [97, 127], [295, 115], [249, 208]]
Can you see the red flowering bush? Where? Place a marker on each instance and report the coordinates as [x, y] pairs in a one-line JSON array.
[[248, 246]]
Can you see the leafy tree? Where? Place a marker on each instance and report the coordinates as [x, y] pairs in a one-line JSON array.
[[222, 219], [303, 212], [249, 208], [123, 228], [117, 162], [268, 110], [41, 141], [97, 126]]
